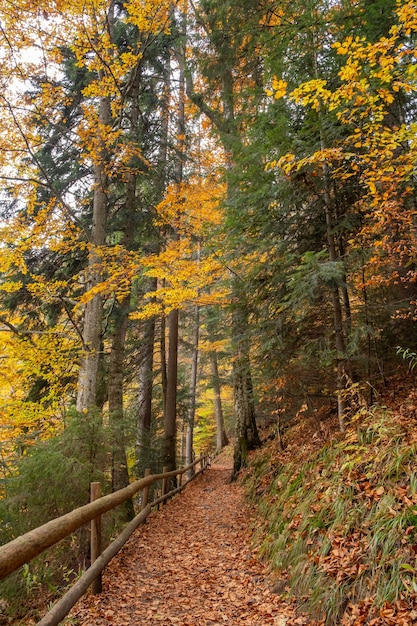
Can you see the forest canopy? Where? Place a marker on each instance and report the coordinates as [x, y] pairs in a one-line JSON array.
[[208, 222]]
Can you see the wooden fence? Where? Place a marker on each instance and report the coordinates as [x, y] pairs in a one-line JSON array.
[[24, 548]]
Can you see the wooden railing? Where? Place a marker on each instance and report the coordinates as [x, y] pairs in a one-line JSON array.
[[24, 548]]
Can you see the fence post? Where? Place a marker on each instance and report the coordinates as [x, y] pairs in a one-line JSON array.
[[190, 473], [95, 539], [145, 490], [179, 480], [164, 483]]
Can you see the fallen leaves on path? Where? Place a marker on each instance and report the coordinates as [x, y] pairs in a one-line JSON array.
[[192, 563]]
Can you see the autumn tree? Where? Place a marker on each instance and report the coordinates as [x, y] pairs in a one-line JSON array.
[[221, 59], [96, 127]]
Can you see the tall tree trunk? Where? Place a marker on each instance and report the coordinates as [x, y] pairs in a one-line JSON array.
[[247, 437], [189, 433], [221, 437], [87, 378], [170, 414], [163, 354], [338, 324], [145, 387], [88, 374], [162, 181], [337, 320], [120, 474], [340, 342]]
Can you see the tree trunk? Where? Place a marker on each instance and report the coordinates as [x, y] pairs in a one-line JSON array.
[[170, 417], [88, 374], [247, 437], [189, 433], [120, 474], [221, 437], [145, 371], [170, 421], [337, 309], [340, 342], [145, 388], [163, 353]]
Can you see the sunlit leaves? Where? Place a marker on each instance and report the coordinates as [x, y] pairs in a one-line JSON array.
[[149, 16], [37, 373], [185, 271], [311, 93], [279, 88]]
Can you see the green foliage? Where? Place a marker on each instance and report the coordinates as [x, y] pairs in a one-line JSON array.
[[311, 276], [54, 476], [52, 479], [150, 454]]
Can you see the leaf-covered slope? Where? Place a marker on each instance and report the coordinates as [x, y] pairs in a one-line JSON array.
[[340, 518]]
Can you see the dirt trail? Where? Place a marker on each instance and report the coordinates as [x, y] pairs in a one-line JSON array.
[[190, 565]]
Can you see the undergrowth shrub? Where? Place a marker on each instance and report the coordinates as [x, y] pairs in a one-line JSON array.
[[52, 479]]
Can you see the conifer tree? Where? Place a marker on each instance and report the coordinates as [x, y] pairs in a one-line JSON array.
[[223, 57]]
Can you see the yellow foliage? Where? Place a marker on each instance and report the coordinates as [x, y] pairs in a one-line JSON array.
[[10, 286], [23, 360], [220, 345], [312, 93], [279, 88], [192, 206]]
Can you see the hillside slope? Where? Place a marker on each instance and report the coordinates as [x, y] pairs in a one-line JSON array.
[[339, 517]]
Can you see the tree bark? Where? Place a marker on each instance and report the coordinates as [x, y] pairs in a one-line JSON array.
[[145, 388], [88, 374], [337, 319], [189, 433], [247, 437], [340, 341], [170, 416], [120, 474], [221, 437], [146, 367], [170, 421], [87, 380]]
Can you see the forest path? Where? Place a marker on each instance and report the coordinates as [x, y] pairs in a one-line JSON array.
[[191, 564]]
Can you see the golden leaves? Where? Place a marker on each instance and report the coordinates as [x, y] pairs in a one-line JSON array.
[[24, 359], [183, 279], [149, 16], [407, 14], [192, 206], [186, 272], [279, 88], [10, 286]]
